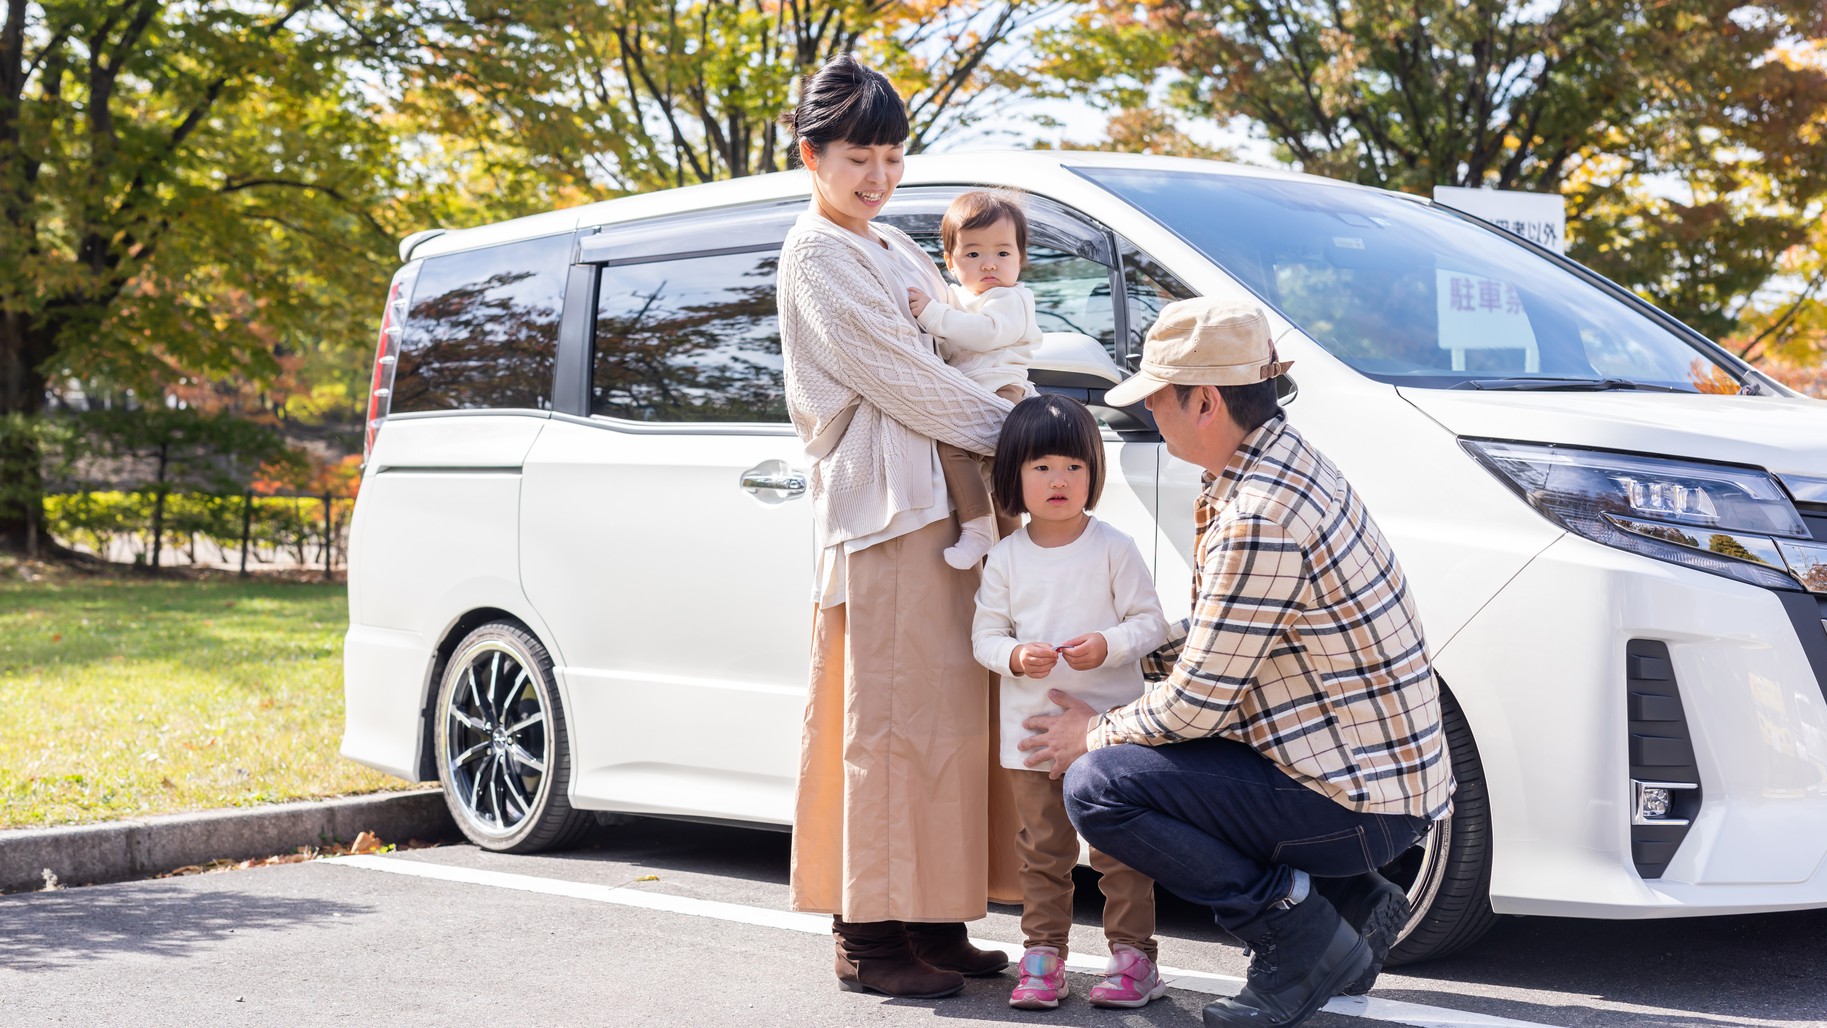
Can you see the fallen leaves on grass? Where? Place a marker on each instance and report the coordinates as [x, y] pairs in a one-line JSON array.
[[365, 842]]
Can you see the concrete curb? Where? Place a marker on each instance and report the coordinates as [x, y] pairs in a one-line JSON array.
[[115, 851]]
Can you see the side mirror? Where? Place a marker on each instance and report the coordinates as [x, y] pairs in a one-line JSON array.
[[1076, 365], [1073, 359]]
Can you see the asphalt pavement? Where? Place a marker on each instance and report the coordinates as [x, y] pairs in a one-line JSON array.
[[666, 923]]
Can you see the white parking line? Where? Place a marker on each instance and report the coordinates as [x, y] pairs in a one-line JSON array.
[[1416, 1014]]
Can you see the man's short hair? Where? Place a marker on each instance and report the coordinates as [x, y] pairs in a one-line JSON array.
[[1249, 405]]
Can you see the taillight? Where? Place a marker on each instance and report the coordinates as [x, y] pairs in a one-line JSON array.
[[386, 352]]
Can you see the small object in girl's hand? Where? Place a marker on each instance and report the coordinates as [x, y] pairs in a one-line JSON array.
[[1061, 649]]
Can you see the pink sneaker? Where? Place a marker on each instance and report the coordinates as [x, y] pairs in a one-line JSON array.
[[1130, 980], [1043, 980]]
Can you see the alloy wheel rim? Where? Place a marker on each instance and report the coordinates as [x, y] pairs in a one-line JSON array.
[[1419, 870], [497, 740]]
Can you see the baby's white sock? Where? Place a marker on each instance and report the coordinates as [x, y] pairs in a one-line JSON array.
[[975, 537]]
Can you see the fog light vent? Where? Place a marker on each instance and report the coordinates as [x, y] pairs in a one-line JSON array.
[[1664, 777], [1657, 803]]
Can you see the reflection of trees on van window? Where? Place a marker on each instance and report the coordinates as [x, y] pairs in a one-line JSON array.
[[1366, 315], [483, 329], [689, 340]]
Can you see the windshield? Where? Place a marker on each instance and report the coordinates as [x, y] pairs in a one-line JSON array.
[[1417, 296]]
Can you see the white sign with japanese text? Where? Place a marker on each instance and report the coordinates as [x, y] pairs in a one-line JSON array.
[[1478, 313], [1541, 218]]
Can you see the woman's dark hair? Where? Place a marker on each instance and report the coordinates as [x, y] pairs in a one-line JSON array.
[[1040, 426], [845, 101], [1250, 406]]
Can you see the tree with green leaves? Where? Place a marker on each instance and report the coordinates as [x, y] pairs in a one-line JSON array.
[[1691, 148], [190, 194], [645, 94], [183, 188]]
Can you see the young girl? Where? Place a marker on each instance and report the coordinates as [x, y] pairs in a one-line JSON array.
[[1069, 600], [985, 326]]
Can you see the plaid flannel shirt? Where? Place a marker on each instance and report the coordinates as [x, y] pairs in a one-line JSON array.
[[1303, 641]]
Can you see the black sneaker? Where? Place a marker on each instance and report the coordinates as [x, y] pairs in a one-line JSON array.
[[1377, 908], [1300, 957]]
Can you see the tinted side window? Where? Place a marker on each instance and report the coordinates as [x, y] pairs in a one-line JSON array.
[[1150, 287], [1071, 293], [689, 339], [483, 328]]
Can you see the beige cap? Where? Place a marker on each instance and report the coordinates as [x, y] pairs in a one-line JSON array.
[[1202, 342]]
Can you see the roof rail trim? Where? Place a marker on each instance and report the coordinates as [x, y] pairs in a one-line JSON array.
[[412, 241]]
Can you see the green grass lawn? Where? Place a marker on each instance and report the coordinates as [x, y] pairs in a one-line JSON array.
[[122, 696]]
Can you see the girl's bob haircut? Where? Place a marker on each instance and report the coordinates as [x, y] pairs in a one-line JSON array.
[[1040, 426], [846, 101]]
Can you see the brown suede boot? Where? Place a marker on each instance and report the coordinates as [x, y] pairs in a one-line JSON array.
[[874, 956], [947, 946]]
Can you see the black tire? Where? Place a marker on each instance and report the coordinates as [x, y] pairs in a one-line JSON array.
[[502, 747], [1448, 873]]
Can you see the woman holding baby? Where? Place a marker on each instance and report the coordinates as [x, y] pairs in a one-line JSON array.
[[912, 813], [898, 785]]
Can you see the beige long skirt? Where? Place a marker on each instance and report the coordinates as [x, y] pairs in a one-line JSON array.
[[903, 812]]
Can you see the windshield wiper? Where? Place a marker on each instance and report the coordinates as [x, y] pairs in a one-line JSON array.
[[1584, 385]]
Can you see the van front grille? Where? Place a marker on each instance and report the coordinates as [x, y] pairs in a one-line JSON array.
[[1816, 520], [1810, 496]]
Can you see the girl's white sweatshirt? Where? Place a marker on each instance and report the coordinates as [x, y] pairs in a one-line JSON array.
[[1049, 594]]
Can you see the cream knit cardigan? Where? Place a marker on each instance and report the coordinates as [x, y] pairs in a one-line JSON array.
[[846, 338]]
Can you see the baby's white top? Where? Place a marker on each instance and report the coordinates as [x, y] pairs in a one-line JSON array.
[[990, 336]]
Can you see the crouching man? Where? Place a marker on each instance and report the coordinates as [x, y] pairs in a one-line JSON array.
[[1295, 744]]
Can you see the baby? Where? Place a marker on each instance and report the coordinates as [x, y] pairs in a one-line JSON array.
[[985, 327]]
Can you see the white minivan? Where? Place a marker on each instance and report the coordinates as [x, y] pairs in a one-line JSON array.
[[580, 560]]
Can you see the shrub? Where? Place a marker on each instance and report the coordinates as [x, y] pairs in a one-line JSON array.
[[110, 523]]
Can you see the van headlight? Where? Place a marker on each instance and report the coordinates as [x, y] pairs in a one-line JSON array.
[[1731, 521]]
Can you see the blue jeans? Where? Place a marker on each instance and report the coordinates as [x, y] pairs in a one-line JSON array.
[[1220, 824]]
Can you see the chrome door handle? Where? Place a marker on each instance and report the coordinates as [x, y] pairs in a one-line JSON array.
[[772, 481]]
